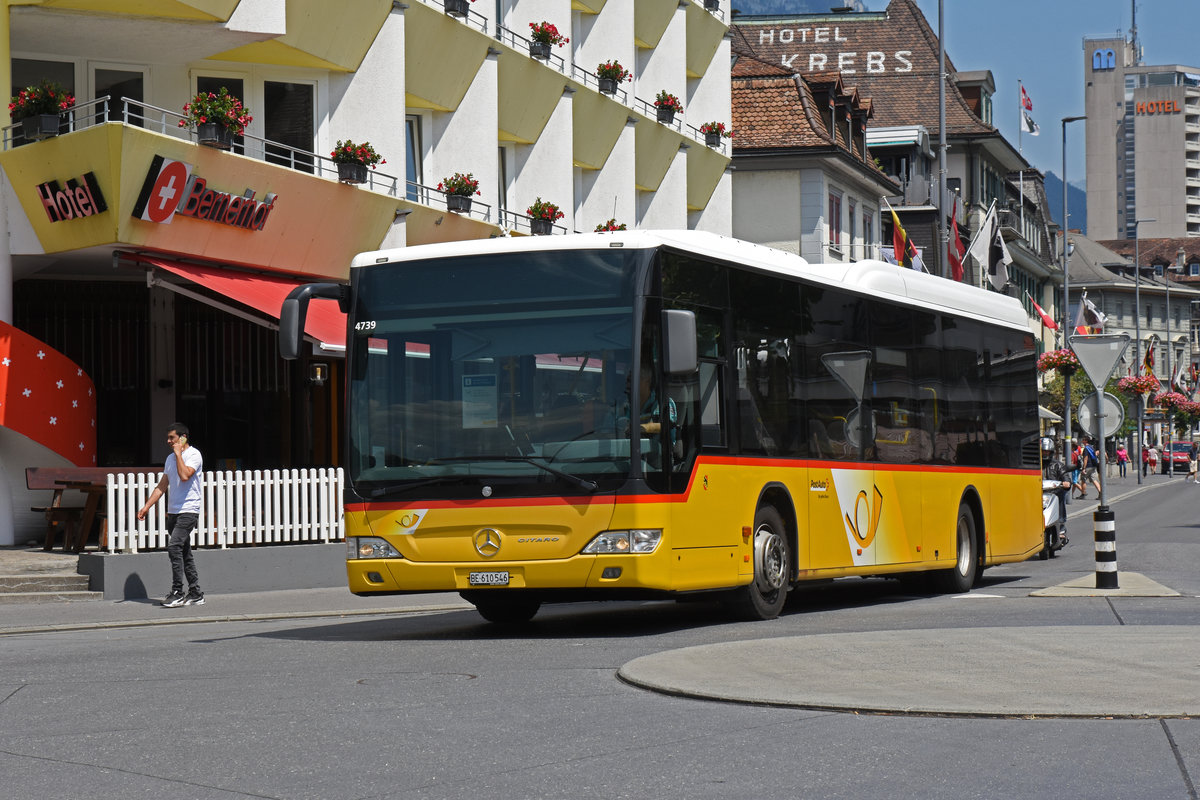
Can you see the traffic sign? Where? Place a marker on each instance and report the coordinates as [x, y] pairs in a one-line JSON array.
[[1111, 407], [1098, 355]]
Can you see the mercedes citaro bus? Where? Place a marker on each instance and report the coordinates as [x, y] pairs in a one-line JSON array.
[[670, 414]]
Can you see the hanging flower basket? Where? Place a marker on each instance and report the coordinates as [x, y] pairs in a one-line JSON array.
[[1140, 384], [1169, 401], [611, 73], [40, 126], [39, 108], [459, 188], [458, 8], [351, 172], [212, 134], [1063, 360], [714, 132], [543, 215], [668, 105]]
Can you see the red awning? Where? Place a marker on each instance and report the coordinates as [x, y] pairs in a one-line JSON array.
[[325, 321]]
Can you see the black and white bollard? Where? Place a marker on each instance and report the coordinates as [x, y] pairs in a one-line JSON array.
[[1104, 528]]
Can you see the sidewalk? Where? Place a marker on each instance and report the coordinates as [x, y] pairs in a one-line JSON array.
[[286, 604]]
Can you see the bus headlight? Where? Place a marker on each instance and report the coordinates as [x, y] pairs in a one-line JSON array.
[[640, 540], [369, 547]]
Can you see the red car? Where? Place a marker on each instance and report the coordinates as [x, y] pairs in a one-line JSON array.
[[1179, 457]]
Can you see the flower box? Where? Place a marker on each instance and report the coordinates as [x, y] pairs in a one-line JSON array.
[[666, 115], [608, 86], [213, 134], [712, 5], [541, 227], [712, 139], [349, 172], [457, 8], [458, 202], [40, 126], [540, 50]]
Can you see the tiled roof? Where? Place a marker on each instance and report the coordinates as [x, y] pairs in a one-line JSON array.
[[1156, 251], [891, 58]]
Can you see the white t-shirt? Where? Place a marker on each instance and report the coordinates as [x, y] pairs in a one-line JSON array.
[[184, 496]]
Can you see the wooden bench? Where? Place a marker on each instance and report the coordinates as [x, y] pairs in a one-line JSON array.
[[75, 522]]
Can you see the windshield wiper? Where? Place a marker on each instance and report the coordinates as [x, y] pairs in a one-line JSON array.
[[575, 480], [387, 491]]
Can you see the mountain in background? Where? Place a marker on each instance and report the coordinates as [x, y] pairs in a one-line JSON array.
[[1076, 202]]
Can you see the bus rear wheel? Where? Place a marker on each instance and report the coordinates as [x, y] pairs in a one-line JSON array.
[[764, 596], [966, 560], [503, 608]]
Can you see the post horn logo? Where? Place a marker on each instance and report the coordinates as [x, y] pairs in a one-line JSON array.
[[870, 515], [487, 542]]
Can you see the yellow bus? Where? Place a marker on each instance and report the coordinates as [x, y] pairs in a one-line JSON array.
[[668, 414]]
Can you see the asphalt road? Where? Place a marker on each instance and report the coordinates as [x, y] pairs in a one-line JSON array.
[[443, 705]]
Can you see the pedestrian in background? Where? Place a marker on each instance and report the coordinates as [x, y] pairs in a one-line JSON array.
[[1122, 458], [1153, 459], [1089, 464], [1145, 460], [1192, 463], [181, 483]]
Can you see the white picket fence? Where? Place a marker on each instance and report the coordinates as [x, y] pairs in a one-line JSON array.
[[240, 507]]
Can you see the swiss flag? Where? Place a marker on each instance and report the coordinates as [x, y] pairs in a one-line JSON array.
[[955, 250], [46, 397]]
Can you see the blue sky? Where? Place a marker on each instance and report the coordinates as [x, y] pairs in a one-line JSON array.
[[1040, 42]]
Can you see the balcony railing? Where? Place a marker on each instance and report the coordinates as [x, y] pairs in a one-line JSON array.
[[166, 122], [429, 196]]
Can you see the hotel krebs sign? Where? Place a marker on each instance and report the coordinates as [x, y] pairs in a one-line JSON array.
[[844, 60], [171, 189]]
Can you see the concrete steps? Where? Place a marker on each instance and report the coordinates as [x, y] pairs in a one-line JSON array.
[[30, 576]]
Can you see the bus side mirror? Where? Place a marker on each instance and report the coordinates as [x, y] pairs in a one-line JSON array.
[[295, 310], [680, 329]]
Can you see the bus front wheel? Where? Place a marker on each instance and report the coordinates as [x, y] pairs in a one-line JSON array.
[[962, 577], [764, 596], [503, 608]]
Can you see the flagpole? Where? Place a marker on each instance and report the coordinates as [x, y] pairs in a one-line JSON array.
[[940, 264], [1020, 151]]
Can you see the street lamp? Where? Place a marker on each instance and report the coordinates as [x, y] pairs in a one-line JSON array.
[[1066, 298], [1180, 255], [1137, 331]]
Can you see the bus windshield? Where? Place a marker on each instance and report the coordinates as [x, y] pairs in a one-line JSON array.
[[509, 370]]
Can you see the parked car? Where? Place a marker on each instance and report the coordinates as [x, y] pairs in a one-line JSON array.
[[1179, 457]]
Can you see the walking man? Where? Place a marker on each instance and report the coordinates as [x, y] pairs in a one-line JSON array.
[[1192, 463], [181, 484], [1089, 462]]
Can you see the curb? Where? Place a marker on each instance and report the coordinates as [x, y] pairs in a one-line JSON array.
[[149, 623]]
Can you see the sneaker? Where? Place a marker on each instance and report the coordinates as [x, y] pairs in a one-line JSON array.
[[174, 600], [194, 600]]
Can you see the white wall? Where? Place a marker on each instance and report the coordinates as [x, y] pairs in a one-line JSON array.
[[609, 192], [544, 168], [766, 208], [18, 524]]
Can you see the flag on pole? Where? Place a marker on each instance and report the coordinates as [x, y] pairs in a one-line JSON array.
[[978, 249], [998, 260], [1030, 126], [1148, 361], [1026, 103], [1179, 380], [955, 250], [1088, 318], [1047, 320], [904, 249]]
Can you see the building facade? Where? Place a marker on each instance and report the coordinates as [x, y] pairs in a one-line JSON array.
[[1143, 143], [804, 178], [155, 265]]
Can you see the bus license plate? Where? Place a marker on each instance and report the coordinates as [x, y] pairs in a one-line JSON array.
[[488, 579]]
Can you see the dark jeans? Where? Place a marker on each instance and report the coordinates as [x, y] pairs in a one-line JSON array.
[[179, 550]]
